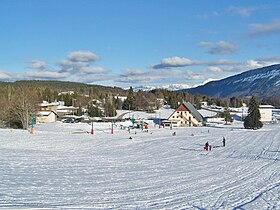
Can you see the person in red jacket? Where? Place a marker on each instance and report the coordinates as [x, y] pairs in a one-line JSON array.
[[206, 146]]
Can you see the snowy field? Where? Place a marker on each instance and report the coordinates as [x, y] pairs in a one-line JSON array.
[[62, 166]]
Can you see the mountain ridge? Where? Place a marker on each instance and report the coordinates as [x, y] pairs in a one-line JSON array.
[[262, 82]]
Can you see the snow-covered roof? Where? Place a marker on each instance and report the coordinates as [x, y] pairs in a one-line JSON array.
[[266, 106], [193, 110], [56, 103], [162, 113], [206, 113], [44, 113], [66, 108]]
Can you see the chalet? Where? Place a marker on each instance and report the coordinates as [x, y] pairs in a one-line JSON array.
[[184, 116], [46, 116], [45, 106], [62, 111], [56, 107]]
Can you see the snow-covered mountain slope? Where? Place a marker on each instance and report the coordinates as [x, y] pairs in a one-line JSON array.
[[61, 166], [263, 82]]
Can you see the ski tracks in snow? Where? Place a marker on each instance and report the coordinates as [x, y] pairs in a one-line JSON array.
[[102, 171]]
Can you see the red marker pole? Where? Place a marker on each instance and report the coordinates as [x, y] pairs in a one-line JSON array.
[[92, 131]]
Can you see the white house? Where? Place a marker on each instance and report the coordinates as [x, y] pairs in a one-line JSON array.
[[266, 113], [204, 103], [122, 98], [184, 116], [46, 117]]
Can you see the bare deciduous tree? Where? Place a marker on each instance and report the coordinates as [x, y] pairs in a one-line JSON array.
[[4, 105], [22, 105]]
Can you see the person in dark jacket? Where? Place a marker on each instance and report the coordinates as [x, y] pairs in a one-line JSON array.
[[224, 141]]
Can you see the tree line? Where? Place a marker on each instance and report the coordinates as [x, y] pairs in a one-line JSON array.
[[18, 100]]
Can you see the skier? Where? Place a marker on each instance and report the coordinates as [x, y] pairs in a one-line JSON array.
[[224, 141], [206, 146]]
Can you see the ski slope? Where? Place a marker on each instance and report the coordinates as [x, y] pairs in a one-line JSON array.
[[62, 166]]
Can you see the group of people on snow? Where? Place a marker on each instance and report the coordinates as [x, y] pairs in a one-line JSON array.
[[207, 146]]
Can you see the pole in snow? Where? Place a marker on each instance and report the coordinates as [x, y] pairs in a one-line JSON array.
[[92, 131], [32, 125], [112, 129], [159, 120]]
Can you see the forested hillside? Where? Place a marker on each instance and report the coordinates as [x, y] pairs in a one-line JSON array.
[[64, 86]]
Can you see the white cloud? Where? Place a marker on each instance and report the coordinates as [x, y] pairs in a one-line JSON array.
[[191, 75], [251, 64], [269, 59], [38, 64], [4, 76], [133, 72], [209, 15], [48, 74], [139, 77], [92, 70], [265, 28], [82, 56], [174, 62], [214, 69], [220, 62], [91, 78], [80, 62], [70, 66], [242, 11], [135, 76], [76, 67], [220, 47]]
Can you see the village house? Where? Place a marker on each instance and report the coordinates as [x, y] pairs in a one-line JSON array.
[[266, 113], [46, 117], [45, 106], [45, 109], [184, 116]]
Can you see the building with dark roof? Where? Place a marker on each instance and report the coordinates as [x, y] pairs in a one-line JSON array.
[[185, 115]]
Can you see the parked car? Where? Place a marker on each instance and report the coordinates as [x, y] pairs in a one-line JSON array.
[[69, 120]]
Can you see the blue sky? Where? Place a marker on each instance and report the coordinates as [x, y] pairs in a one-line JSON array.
[[136, 42]]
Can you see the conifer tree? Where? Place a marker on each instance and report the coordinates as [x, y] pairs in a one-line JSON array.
[[94, 111], [197, 101], [79, 111], [227, 116], [252, 121], [128, 103]]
